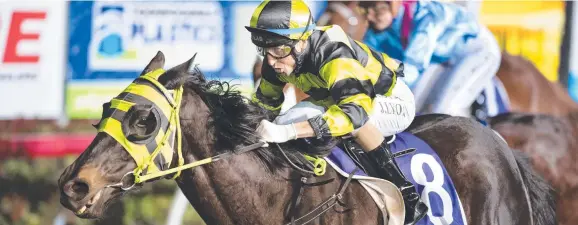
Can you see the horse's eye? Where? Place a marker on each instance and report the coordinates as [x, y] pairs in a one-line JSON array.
[[141, 123]]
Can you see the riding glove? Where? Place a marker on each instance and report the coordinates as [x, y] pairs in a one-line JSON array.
[[271, 132]]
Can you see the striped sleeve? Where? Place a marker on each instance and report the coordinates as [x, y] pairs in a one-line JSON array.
[[393, 69], [269, 94], [349, 84]]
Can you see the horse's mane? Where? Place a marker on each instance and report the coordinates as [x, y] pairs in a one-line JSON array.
[[234, 119]]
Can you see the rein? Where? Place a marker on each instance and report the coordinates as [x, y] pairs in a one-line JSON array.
[[321, 208], [122, 185], [203, 161]]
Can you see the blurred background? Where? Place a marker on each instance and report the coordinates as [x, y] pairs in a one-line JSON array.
[[60, 61]]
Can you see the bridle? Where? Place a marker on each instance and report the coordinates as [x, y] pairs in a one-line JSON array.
[[149, 160]]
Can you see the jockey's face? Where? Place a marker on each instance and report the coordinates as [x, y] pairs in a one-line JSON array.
[[285, 65], [380, 14]]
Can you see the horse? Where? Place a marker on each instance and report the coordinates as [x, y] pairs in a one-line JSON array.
[[551, 143], [529, 91], [347, 15], [231, 178], [544, 125]]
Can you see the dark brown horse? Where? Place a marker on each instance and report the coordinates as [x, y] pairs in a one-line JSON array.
[[544, 125], [552, 144], [495, 184]]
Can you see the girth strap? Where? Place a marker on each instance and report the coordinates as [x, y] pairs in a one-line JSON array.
[[324, 206]]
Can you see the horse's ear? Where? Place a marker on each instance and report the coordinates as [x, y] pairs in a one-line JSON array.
[[158, 62], [177, 75], [186, 66]]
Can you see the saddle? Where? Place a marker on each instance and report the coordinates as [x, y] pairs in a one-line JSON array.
[[422, 167], [361, 159]]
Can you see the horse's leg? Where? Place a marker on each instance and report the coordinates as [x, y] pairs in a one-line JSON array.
[[483, 169]]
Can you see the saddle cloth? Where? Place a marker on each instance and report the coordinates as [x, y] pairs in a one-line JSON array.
[[423, 168]]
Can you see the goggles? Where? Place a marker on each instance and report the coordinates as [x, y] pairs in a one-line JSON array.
[[277, 52]]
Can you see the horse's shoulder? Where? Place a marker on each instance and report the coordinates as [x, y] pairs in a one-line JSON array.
[[426, 122], [450, 135]]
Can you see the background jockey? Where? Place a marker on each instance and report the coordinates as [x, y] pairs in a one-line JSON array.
[[455, 56]]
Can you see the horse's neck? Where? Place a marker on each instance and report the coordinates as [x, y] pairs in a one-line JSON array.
[[562, 95], [554, 91], [572, 119], [242, 190], [237, 190]]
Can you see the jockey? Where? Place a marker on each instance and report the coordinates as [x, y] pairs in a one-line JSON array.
[[426, 33], [353, 89]]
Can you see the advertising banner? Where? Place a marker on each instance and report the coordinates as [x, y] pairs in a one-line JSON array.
[[111, 42], [32, 59], [532, 29]]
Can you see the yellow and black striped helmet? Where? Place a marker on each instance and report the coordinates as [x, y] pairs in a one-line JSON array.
[[277, 23]]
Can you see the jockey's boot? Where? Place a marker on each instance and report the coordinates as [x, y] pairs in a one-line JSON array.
[[415, 210]]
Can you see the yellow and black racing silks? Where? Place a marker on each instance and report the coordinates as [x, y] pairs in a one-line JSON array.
[[337, 72]]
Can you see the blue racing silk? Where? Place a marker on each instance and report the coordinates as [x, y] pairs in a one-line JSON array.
[[437, 32]]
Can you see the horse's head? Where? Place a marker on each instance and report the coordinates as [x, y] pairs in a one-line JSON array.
[[348, 15], [138, 136]]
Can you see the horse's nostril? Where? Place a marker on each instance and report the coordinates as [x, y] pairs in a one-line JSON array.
[[76, 189]]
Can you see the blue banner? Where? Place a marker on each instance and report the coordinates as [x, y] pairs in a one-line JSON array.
[[111, 42], [115, 40]]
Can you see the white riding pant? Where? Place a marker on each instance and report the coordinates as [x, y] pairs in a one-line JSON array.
[[452, 89], [391, 115]]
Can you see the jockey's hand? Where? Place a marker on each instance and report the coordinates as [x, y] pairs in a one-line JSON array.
[[271, 132]]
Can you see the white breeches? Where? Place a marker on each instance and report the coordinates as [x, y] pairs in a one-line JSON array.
[[452, 89], [391, 115]]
